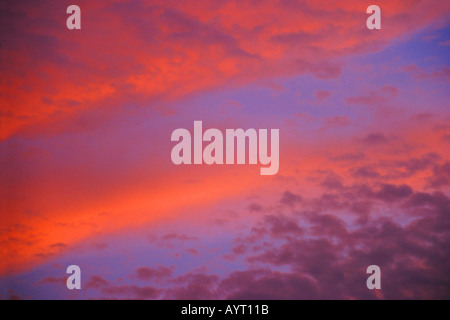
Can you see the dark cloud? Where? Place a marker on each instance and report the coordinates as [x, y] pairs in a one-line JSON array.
[[279, 225], [195, 286], [409, 167], [446, 137], [366, 172], [375, 138], [255, 207], [391, 193], [328, 259], [327, 201], [290, 199], [332, 181], [178, 237], [314, 253], [263, 285], [441, 176]]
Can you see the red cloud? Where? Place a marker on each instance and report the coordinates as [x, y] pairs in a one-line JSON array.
[[166, 50]]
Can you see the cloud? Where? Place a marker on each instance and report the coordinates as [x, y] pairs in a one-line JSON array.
[[390, 193], [350, 157], [15, 297], [411, 255], [375, 97], [375, 138], [266, 285], [290, 199], [195, 286], [441, 73], [100, 246], [73, 150], [147, 274], [166, 50], [441, 175], [96, 282], [446, 138], [53, 280], [322, 95], [59, 245], [336, 122], [282, 226], [178, 237], [397, 169], [320, 250], [332, 181], [255, 207], [170, 240], [366, 172], [131, 292]]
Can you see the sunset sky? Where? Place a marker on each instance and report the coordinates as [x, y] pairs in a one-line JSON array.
[[86, 176]]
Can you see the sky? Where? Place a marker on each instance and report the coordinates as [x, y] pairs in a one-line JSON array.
[[86, 176]]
